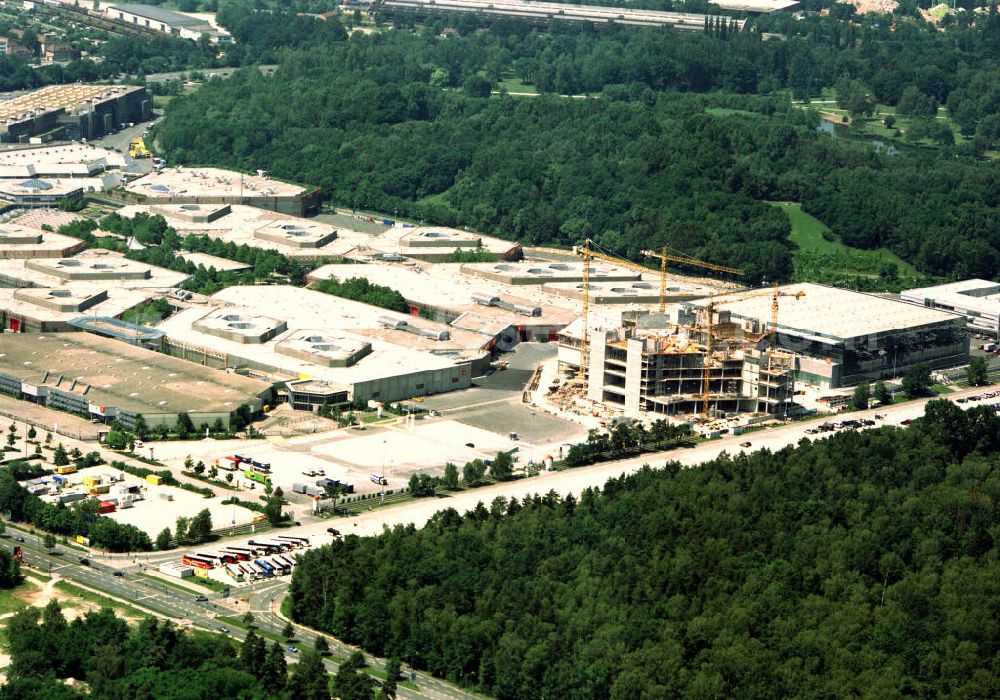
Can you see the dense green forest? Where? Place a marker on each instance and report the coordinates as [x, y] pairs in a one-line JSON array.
[[678, 146], [865, 564], [51, 657]]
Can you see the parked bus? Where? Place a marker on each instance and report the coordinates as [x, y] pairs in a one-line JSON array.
[[199, 562], [248, 551], [268, 569], [240, 556], [263, 547], [297, 541], [288, 560], [234, 572]]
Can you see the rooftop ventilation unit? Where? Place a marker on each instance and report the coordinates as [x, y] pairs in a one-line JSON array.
[[400, 325], [487, 300]]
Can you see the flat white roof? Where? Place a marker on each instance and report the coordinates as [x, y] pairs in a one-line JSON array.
[[434, 240], [118, 301], [760, 6], [243, 221], [305, 309], [208, 261], [831, 312], [33, 272], [64, 154], [443, 286], [977, 295], [209, 182]]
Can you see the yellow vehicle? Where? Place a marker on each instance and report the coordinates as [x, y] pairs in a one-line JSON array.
[[137, 149], [67, 469]]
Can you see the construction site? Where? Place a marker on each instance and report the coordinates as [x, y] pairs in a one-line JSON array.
[[740, 353]]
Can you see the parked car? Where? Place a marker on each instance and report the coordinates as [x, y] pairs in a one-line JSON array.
[[745, 444], [292, 648], [119, 573], [333, 531], [201, 598], [223, 629], [18, 538], [84, 561]]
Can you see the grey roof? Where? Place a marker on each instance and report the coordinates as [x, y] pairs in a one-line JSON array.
[[35, 184], [160, 15]]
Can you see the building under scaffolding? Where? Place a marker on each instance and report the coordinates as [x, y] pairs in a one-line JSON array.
[[644, 371]]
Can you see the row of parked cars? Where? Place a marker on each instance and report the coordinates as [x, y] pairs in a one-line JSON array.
[[979, 397], [849, 424]]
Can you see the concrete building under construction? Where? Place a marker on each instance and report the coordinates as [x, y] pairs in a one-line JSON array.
[[643, 371]]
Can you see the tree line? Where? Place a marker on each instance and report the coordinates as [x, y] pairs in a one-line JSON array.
[[384, 122], [864, 563]]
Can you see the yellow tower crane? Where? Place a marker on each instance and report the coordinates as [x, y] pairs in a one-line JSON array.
[[710, 308], [588, 253], [665, 256]]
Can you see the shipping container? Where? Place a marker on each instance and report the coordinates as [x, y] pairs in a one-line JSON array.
[[65, 469], [154, 479]]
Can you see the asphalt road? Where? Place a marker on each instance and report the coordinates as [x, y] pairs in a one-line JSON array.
[[174, 604]]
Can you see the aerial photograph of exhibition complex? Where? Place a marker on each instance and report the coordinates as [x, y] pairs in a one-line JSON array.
[[462, 349]]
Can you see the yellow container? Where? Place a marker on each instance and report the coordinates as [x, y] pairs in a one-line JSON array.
[[91, 480], [154, 479], [201, 573], [66, 469]]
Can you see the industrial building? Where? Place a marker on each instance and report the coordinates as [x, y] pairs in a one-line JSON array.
[[106, 379], [73, 160], [505, 314], [538, 273], [72, 112], [213, 186], [977, 300], [758, 7], [546, 12], [164, 21], [438, 244], [92, 268], [843, 338], [46, 310], [330, 349], [18, 241], [304, 239]]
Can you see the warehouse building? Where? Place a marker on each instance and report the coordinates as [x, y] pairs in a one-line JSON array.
[[164, 21], [72, 112], [18, 241], [508, 315], [437, 244], [758, 7], [538, 273], [292, 236], [213, 186], [977, 300], [843, 338], [345, 348], [108, 380], [547, 12], [73, 160], [46, 310], [92, 268]]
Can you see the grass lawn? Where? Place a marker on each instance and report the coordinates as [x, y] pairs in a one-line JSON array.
[[821, 257], [727, 112], [9, 602], [515, 85], [162, 100]]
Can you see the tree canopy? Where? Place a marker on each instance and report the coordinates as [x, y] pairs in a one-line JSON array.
[[861, 564]]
